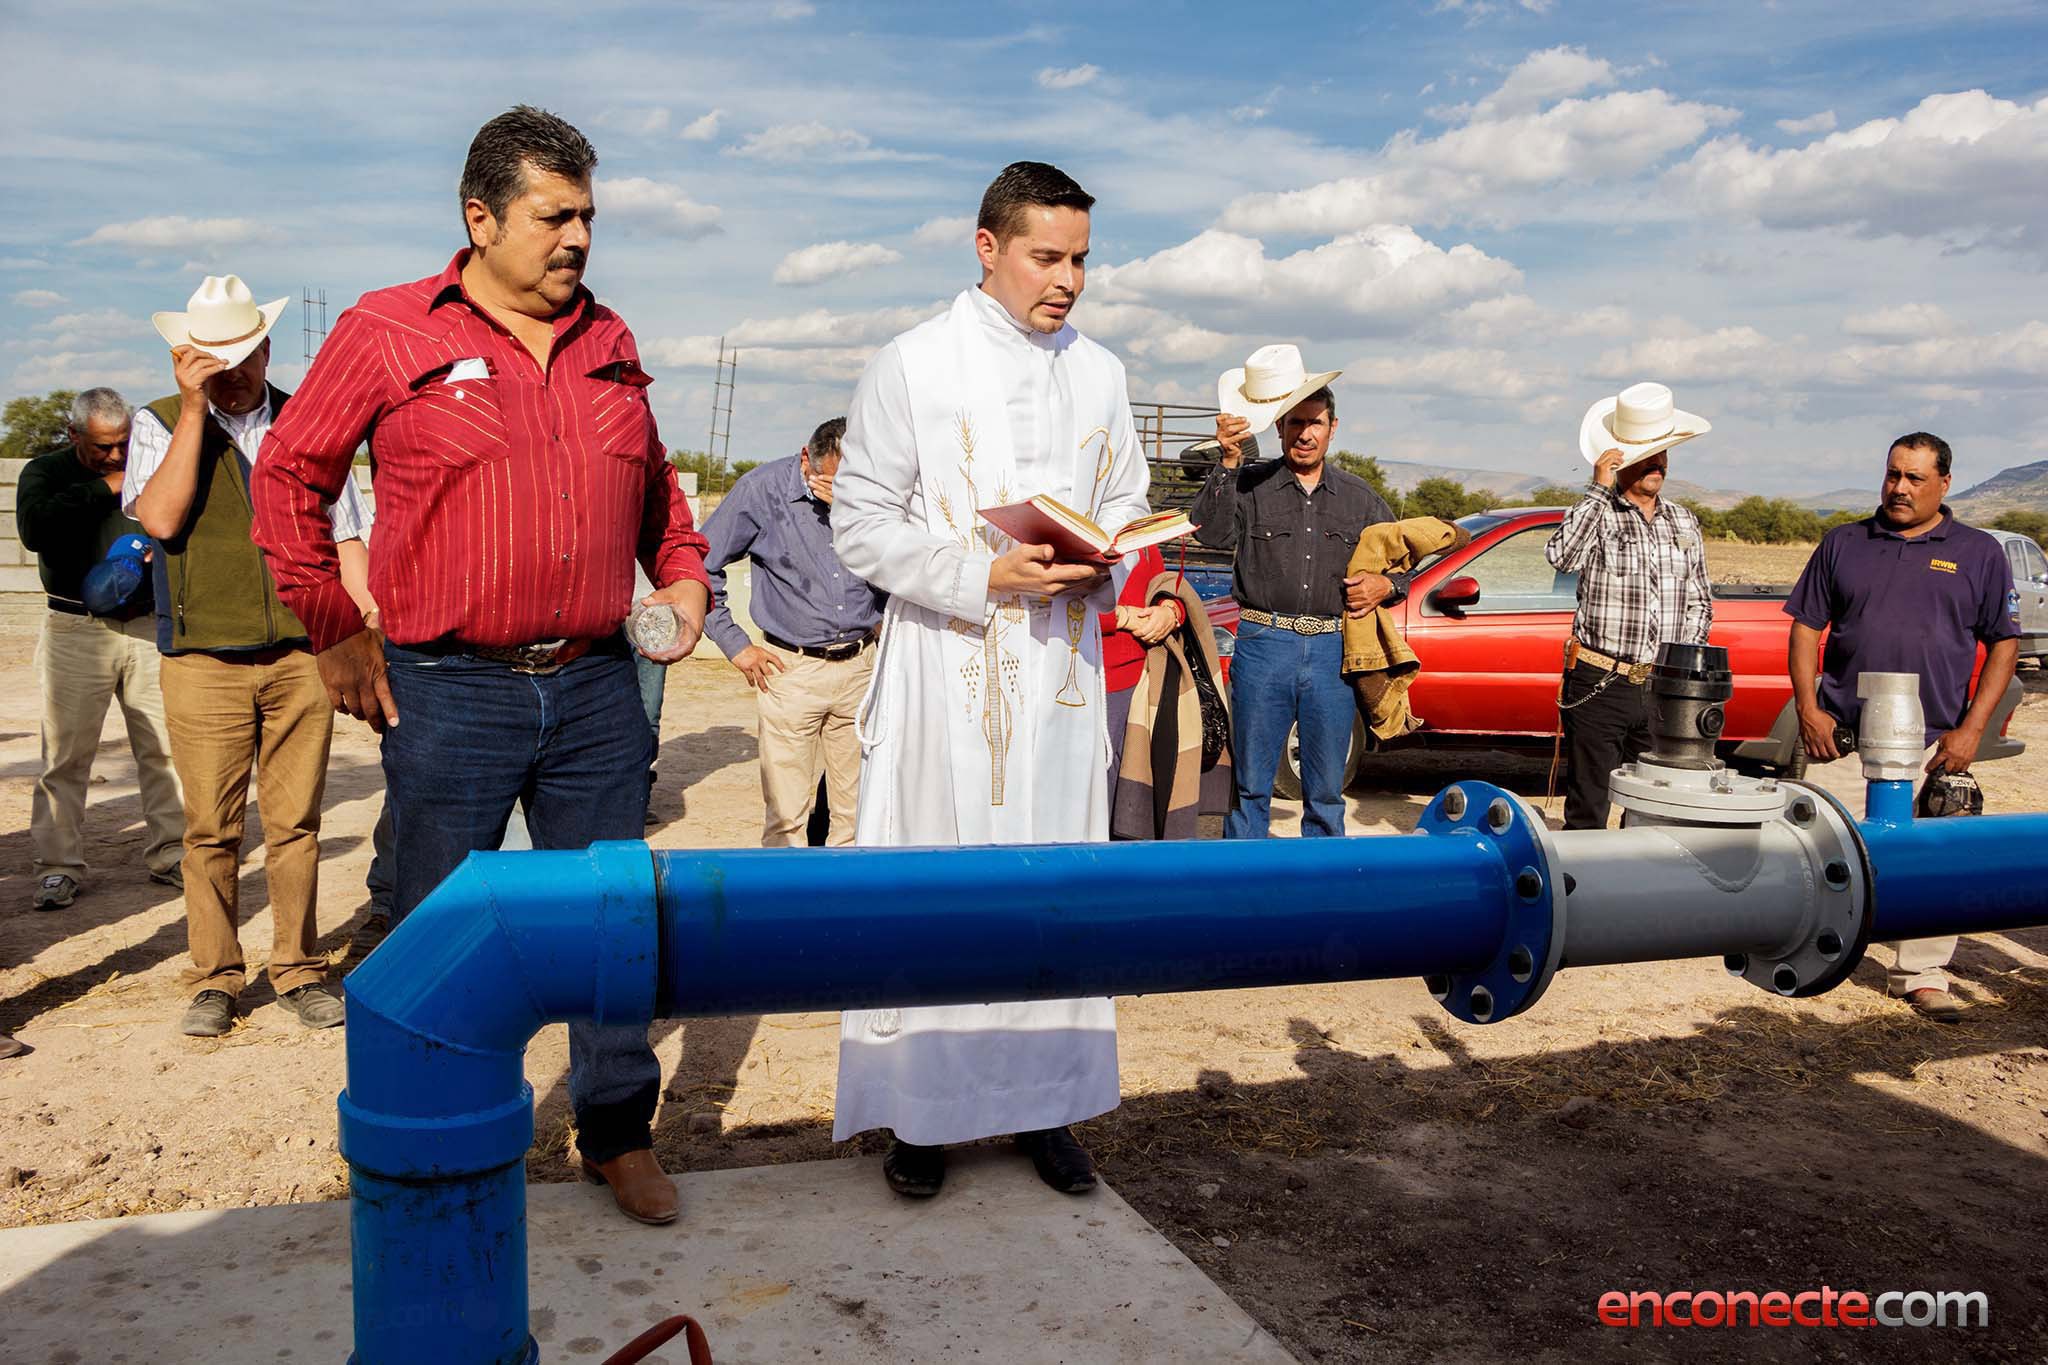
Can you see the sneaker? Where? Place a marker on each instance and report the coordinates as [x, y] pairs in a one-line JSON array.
[[174, 875], [210, 1014], [55, 891], [316, 1006]]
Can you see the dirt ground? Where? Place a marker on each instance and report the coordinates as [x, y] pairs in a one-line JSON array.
[[1371, 1179]]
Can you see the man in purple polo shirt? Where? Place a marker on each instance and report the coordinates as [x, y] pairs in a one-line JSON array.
[[1907, 590]]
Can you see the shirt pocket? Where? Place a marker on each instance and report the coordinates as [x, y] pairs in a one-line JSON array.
[[1623, 555], [622, 420], [459, 423]]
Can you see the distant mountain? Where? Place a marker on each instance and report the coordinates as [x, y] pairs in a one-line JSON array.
[[1405, 474], [2023, 488], [1840, 500]]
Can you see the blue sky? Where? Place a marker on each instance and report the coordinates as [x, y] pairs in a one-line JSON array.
[[1821, 223]]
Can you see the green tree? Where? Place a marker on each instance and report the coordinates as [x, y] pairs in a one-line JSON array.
[[740, 467], [1367, 467], [1555, 495], [35, 426], [2033, 525], [1835, 519], [1713, 524], [1772, 521], [1447, 498]]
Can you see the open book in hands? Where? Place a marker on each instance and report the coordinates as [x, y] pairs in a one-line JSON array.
[[1048, 521]]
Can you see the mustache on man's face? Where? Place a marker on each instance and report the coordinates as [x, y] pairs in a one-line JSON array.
[[571, 259]]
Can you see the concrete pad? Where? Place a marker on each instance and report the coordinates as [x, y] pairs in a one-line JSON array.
[[809, 1262]]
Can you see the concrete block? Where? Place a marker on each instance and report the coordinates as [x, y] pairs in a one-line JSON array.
[[21, 578], [817, 1261]]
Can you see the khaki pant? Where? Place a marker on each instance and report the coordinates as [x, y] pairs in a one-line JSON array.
[[82, 664], [807, 720], [226, 715], [1918, 962]]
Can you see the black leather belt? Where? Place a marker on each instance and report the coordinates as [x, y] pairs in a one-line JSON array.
[[838, 653], [68, 608], [548, 656]]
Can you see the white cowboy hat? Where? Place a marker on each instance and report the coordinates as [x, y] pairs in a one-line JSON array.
[[222, 319], [1271, 382], [1639, 421]]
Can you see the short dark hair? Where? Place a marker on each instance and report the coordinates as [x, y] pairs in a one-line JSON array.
[[1925, 440], [522, 136], [1023, 186], [1324, 395], [826, 438]]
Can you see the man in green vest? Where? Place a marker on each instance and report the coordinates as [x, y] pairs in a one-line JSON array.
[[241, 692]]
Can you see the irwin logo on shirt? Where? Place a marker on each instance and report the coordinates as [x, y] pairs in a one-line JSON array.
[[1942, 565]]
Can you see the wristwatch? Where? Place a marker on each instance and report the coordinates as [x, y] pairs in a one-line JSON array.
[[1399, 590]]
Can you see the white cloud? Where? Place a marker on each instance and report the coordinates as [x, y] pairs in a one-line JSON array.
[[806, 142], [640, 122], [38, 298], [791, 9], [2017, 358], [1542, 77], [1464, 372], [1507, 148], [174, 232], [1068, 78], [659, 208], [82, 331], [1961, 167], [703, 128], [89, 369], [1901, 322], [1684, 353], [818, 345], [1823, 122], [829, 260], [944, 232], [1373, 281]]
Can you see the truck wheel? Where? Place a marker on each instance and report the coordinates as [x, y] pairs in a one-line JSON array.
[[1287, 778]]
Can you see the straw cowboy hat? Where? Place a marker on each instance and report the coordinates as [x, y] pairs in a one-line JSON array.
[[1271, 382], [221, 319], [1639, 421]]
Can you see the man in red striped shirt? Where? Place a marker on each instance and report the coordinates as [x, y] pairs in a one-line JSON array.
[[518, 476]]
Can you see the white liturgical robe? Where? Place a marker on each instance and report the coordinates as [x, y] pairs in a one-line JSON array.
[[986, 721]]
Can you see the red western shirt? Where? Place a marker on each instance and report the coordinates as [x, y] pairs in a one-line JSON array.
[[512, 498]]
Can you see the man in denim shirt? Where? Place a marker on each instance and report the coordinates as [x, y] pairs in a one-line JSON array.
[[817, 622], [1293, 523]]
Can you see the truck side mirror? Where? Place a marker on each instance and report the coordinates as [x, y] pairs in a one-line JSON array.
[[1456, 594]]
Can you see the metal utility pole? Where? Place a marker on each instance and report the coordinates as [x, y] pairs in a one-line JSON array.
[[312, 319], [725, 378]]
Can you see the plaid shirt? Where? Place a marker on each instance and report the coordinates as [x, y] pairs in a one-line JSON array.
[[1641, 583]]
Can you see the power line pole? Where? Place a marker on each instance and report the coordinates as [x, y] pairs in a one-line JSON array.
[[312, 319], [725, 379]]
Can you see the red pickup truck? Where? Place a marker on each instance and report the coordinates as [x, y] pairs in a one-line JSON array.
[[1489, 623]]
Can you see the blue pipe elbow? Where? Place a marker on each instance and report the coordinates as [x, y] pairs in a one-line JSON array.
[[437, 1115]]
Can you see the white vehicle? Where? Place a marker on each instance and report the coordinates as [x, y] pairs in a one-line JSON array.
[[2030, 581]]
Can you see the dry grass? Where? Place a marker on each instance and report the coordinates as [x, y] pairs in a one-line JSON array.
[[1733, 561]]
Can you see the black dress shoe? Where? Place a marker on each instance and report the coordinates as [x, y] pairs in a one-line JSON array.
[[913, 1170], [1062, 1162]]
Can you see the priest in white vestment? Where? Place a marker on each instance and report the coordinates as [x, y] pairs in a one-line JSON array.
[[985, 722]]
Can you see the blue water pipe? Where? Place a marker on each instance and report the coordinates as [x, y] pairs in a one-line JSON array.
[[437, 1116]]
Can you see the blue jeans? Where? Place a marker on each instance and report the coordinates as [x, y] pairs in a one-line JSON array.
[[1280, 680], [573, 747]]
